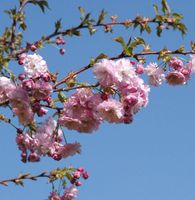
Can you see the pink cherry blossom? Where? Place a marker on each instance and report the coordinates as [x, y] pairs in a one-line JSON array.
[[155, 74], [111, 111], [46, 141], [191, 64], [70, 193], [79, 111], [21, 107], [176, 78], [124, 71], [54, 196], [6, 86], [176, 63], [41, 90], [104, 71], [139, 68]]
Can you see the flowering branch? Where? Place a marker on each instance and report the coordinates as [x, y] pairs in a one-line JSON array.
[[162, 54]]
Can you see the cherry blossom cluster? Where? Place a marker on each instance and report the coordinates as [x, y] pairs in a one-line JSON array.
[[177, 74], [45, 141], [70, 193], [85, 110], [122, 93]]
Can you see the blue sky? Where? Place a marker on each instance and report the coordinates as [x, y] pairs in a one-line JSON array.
[[151, 159]]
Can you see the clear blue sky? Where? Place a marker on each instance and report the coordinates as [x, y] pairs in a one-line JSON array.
[[151, 159]]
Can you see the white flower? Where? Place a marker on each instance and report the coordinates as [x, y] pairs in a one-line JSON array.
[[34, 65]]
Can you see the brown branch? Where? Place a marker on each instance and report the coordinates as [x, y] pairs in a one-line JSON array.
[[77, 87], [14, 24], [79, 27], [19, 180]]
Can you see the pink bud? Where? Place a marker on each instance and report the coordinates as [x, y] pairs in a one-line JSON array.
[[21, 77], [80, 169], [85, 175], [78, 183], [24, 157], [62, 51], [104, 96], [42, 111], [56, 156], [132, 62], [20, 62], [139, 69], [62, 42], [19, 131], [33, 157], [185, 72], [46, 77], [58, 42], [77, 174], [33, 47], [22, 56]]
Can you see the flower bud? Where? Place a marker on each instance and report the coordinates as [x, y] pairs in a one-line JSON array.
[[85, 175], [78, 183], [77, 175], [62, 51], [33, 157]]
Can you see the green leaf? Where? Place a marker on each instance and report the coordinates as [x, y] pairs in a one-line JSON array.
[[62, 97], [158, 31], [82, 11], [165, 7], [23, 26], [58, 25], [42, 4], [101, 56], [137, 41], [148, 29], [177, 15], [156, 9], [101, 16], [181, 49], [120, 40]]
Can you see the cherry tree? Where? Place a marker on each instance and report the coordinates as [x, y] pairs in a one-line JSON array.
[[40, 104]]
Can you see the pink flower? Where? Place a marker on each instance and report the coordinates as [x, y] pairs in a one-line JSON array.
[[79, 111], [41, 90], [70, 193], [21, 107], [139, 68], [54, 196], [134, 97], [70, 149], [111, 111], [6, 86], [176, 63], [46, 141], [176, 78], [28, 84], [104, 72], [124, 71], [191, 64], [155, 74]]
